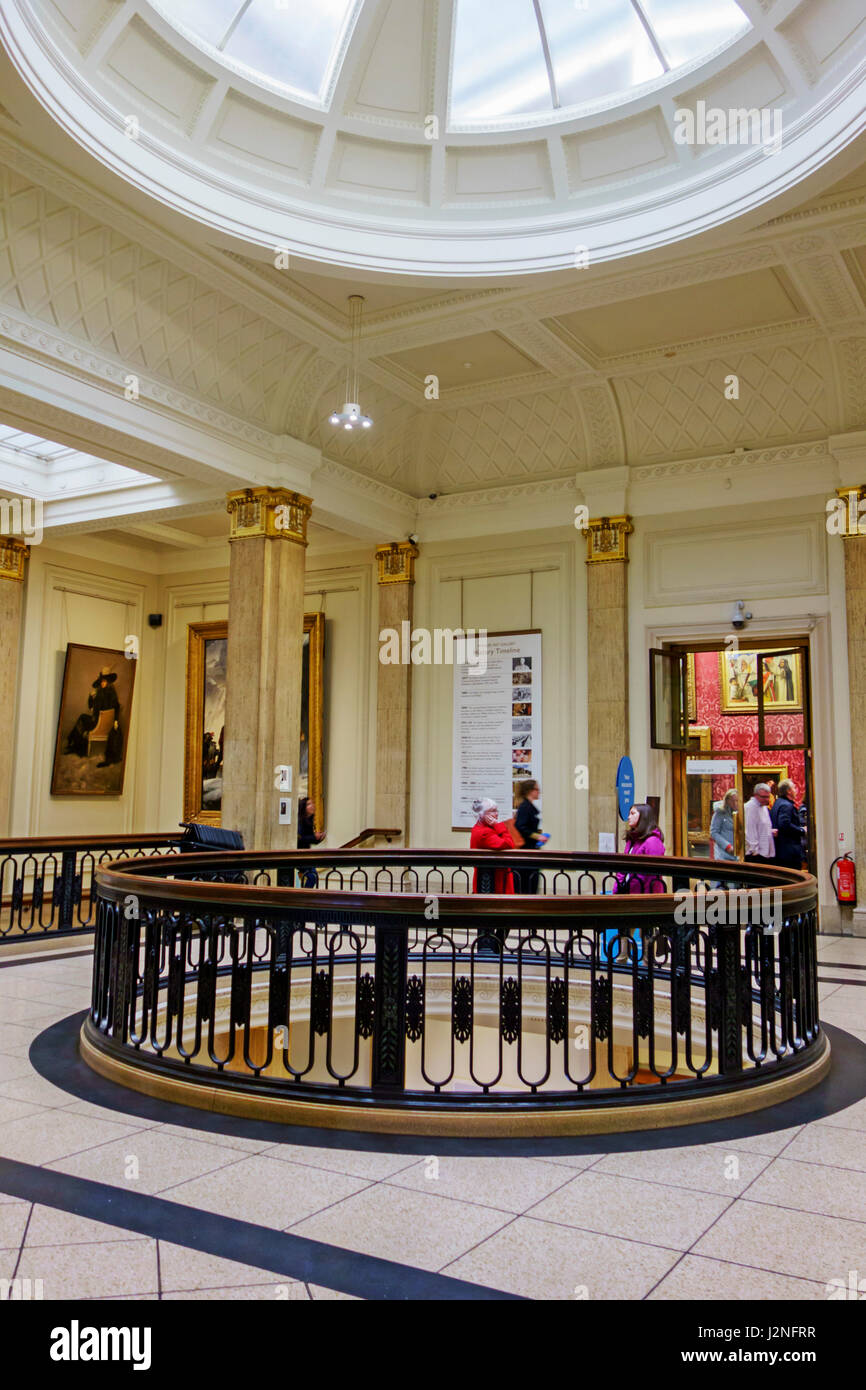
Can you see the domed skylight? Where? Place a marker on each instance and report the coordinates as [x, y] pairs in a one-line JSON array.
[[538, 56], [541, 55]]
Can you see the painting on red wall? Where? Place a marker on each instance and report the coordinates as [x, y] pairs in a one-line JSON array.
[[781, 678]]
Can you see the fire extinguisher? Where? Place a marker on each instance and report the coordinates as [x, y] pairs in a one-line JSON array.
[[845, 882]]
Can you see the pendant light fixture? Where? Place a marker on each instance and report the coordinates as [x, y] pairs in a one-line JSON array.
[[351, 416]]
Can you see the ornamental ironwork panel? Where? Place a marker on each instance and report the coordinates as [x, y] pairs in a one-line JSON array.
[[320, 1009], [602, 1007], [509, 1010], [414, 1008], [461, 1009], [365, 1006], [557, 1010]]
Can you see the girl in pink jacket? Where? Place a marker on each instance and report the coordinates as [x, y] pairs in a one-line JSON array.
[[642, 837]]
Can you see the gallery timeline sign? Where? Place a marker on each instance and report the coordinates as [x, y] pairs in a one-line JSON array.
[[497, 725]]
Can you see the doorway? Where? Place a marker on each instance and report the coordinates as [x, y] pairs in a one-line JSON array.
[[732, 717]]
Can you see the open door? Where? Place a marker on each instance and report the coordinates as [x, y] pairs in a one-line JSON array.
[[709, 776], [669, 718]]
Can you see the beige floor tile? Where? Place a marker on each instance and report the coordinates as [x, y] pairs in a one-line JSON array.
[[837, 1147], [104, 1112], [265, 1293], [13, 1220], [181, 1268], [799, 1243], [16, 1110], [813, 1187], [541, 1261], [13, 1069], [92, 1271], [576, 1161], [356, 1163], [266, 1192], [37, 1090], [699, 1278], [648, 1212], [410, 1227], [8, 1261], [30, 1011], [769, 1144], [846, 1016], [509, 1184], [55, 1136], [318, 1294], [50, 1226], [703, 1168], [203, 1136], [852, 1117], [162, 1161]]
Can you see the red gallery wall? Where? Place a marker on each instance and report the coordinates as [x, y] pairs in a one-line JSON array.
[[741, 730]]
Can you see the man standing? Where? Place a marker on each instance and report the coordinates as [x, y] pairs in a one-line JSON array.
[[760, 833], [788, 829]]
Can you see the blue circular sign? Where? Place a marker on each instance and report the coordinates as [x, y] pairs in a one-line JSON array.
[[624, 787]]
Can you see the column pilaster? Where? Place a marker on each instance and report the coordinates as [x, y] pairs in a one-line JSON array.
[[396, 581], [13, 566], [268, 541], [854, 543], [606, 664]]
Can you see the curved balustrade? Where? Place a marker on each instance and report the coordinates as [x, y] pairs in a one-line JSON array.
[[389, 993]]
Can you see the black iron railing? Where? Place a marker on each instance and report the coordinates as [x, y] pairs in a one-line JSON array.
[[46, 884], [391, 983]]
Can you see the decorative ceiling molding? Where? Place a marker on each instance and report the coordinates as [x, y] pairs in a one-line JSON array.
[[745, 459], [605, 446]]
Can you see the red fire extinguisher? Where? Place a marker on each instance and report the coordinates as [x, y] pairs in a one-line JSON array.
[[845, 882]]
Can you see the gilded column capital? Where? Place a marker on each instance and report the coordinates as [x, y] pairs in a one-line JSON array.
[[607, 539], [852, 521], [273, 512], [396, 562], [13, 558]]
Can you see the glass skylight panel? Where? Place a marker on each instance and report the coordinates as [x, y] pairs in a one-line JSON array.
[[293, 44], [207, 19], [598, 50], [687, 30], [499, 67]]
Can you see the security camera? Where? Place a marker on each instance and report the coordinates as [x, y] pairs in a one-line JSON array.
[[432, 496], [740, 617], [412, 538]]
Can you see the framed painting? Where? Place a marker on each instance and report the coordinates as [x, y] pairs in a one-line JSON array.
[[93, 722], [207, 650], [782, 679], [753, 775], [206, 653]]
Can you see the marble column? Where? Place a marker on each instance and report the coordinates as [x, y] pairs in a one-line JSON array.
[[396, 565], [854, 543], [265, 649], [13, 562], [606, 665]]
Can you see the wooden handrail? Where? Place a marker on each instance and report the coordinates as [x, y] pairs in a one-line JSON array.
[[368, 834]]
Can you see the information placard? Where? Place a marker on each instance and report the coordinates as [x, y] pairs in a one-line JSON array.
[[497, 725]]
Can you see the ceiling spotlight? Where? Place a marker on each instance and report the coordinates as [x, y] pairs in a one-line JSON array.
[[351, 413]]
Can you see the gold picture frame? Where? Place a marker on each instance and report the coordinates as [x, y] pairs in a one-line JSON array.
[[206, 646], [738, 683], [205, 690], [751, 775]]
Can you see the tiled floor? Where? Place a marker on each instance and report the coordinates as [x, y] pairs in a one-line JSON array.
[[777, 1215]]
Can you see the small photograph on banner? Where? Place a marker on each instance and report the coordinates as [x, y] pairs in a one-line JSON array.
[[497, 725]]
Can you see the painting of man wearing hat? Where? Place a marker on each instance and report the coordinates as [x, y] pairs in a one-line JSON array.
[[93, 725]]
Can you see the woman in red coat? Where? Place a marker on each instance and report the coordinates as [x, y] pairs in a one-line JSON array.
[[489, 832]]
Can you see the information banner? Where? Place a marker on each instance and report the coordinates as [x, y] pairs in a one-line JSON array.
[[497, 725]]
